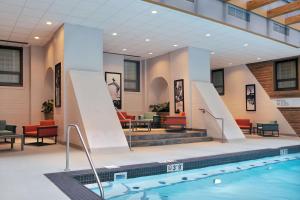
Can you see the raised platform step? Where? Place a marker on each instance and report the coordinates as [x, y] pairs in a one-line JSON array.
[[143, 143], [163, 137]]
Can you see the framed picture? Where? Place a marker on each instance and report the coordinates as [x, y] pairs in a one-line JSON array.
[[179, 95], [58, 85], [250, 97], [114, 84]]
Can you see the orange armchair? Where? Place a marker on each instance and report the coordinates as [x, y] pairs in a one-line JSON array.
[[45, 129], [124, 118]]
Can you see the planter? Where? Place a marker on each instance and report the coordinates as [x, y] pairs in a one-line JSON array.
[[163, 114], [48, 115]]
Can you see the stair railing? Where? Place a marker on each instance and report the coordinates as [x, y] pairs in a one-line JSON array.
[[70, 126], [130, 128], [216, 118]]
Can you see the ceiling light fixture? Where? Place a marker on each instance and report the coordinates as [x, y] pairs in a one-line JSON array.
[[154, 12], [246, 44], [212, 53], [258, 58], [230, 63], [114, 34], [207, 35], [147, 40], [37, 37], [175, 45], [150, 53], [124, 49], [49, 23]]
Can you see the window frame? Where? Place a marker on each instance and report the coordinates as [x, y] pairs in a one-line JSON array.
[[138, 64], [276, 80], [20, 83], [223, 82]]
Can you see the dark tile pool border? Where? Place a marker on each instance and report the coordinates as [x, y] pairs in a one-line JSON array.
[[71, 183]]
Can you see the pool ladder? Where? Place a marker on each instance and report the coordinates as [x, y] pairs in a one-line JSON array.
[[70, 126]]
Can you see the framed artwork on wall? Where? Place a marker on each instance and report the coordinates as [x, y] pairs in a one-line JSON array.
[[58, 85], [114, 84], [250, 98], [179, 95]]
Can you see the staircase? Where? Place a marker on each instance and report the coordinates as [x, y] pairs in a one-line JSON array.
[[159, 138]]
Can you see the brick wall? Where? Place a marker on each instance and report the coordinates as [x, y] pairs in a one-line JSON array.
[[264, 73]]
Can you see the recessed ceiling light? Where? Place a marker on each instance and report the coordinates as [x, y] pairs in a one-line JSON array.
[[49, 23], [207, 35], [258, 58], [246, 44], [147, 40], [175, 45], [114, 34], [124, 49], [154, 12], [150, 53], [37, 37], [212, 53]]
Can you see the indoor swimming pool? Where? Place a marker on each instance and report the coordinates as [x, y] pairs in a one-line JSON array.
[[262, 179]]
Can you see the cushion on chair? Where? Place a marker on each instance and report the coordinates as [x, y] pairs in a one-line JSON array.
[[2, 124], [5, 132], [149, 115], [47, 122], [31, 133]]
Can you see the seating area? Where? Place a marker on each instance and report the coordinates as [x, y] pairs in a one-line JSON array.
[[263, 129], [45, 129]]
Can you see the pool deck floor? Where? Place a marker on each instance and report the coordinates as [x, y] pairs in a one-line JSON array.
[[21, 173]]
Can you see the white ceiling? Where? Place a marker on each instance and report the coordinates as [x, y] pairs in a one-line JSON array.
[[21, 20]]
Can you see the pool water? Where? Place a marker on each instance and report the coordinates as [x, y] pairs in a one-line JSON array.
[[274, 178]]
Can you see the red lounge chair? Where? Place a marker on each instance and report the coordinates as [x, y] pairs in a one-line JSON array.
[[124, 118], [244, 124], [47, 128], [176, 120]]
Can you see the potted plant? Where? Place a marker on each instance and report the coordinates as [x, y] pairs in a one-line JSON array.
[[47, 109], [162, 109]]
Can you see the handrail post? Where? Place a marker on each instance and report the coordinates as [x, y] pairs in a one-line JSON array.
[[217, 118], [86, 152]]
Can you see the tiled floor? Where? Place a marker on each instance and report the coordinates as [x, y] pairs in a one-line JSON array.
[[21, 173]]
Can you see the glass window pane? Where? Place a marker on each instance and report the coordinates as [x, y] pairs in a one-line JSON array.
[[9, 78], [286, 70], [10, 60], [130, 85], [218, 78], [131, 76], [286, 84], [130, 70]]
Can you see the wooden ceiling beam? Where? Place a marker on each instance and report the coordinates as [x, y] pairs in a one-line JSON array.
[[292, 20], [281, 10], [251, 5]]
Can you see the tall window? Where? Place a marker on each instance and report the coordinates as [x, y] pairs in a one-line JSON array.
[[131, 76], [11, 66], [217, 78], [286, 75]]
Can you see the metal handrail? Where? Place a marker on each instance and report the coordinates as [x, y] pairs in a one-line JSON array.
[[130, 125], [217, 118], [86, 152]]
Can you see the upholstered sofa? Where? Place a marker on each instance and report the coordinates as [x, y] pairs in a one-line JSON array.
[[45, 129], [6, 129], [244, 124], [271, 127]]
